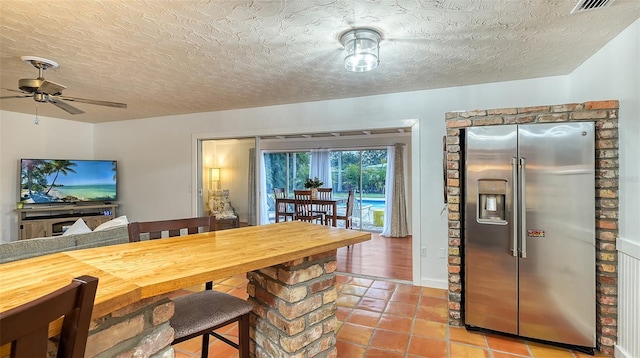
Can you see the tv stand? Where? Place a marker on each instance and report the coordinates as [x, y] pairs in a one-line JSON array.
[[50, 220]]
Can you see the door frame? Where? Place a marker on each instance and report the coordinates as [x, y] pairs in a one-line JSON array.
[[416, 169]]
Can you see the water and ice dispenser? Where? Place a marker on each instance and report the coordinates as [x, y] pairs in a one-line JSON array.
[[492, 198]]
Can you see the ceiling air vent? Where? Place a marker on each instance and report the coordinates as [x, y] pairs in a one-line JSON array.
[[586, 5]]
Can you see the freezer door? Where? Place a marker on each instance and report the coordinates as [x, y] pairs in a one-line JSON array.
[[557, 264], [489, 265]]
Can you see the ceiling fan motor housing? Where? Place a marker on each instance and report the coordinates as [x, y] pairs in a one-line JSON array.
[[30, 85]]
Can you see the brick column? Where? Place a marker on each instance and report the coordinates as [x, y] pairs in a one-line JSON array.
[[139, 330], [294, 308]]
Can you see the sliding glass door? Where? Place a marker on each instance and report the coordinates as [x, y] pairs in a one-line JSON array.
[[364, 171]]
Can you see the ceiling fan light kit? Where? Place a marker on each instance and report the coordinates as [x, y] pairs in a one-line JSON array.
[[363, 49]]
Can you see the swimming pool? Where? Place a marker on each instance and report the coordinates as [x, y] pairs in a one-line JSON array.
[[375, 203], [372, 203]]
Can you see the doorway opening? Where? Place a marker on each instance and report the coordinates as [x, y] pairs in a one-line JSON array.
[[358, 152]]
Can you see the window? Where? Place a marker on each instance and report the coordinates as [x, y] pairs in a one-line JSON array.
[[364, 171], [286, 170]]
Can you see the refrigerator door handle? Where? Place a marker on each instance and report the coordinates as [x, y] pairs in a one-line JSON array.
[[522, 208], [514, 209]]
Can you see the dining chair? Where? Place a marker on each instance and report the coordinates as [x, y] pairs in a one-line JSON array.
[[282, 208], [26, 327], [347, 216], [200, 313], [304, 206], [324, 209]]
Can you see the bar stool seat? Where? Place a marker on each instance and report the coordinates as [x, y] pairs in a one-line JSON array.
[[197, 312]]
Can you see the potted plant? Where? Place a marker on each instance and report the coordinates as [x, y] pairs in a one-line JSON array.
[[313, 184]]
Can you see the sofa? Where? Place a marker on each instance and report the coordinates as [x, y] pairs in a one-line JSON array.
[[24, 249]]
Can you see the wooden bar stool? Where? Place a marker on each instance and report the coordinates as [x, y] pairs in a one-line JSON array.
[[27, 326], [200, 313]]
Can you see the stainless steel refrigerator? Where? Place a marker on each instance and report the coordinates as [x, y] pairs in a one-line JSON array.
[[529, 231]]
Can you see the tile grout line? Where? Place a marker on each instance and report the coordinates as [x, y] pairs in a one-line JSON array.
[[375, 278], [413, 323]]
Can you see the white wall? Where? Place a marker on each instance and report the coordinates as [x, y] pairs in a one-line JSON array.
[[20, 137], [614, 73]]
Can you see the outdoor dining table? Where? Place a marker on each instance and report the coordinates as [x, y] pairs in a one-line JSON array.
[[319, 202]]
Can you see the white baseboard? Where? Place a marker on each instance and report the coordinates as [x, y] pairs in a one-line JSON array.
[[441, 284], [628, 247], [620, 353]]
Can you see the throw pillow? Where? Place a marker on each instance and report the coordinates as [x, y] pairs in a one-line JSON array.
[[78, 227], [119, 221]]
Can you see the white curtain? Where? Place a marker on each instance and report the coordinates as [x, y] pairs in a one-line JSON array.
[[395, 220], [264, 209], [321, 166], [253, 195]]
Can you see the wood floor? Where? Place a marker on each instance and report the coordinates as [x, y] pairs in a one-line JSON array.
[[380, 257]]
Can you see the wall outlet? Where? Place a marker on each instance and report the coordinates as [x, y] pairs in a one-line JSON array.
[[423, 251], [442, 253]]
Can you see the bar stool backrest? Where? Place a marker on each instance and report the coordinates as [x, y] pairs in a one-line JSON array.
[[172, 227], [27, 326]]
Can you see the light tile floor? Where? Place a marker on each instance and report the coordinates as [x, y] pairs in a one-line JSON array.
[[389, 319]]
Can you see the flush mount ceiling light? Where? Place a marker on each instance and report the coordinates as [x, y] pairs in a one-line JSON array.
[[363, 49]]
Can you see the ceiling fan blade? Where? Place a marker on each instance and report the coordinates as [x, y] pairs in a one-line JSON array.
[[15, 90], [93, 101], [51, 88], [65, 106], [23, 96]]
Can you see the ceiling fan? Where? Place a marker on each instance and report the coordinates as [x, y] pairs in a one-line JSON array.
[[50, 92]]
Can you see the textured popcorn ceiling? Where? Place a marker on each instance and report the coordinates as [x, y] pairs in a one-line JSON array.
[[186, 56]]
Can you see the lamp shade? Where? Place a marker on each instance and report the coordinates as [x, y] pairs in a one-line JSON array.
[[214, 174], [363, 49]]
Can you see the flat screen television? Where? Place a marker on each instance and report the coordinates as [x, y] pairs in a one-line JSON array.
[[44, 181]]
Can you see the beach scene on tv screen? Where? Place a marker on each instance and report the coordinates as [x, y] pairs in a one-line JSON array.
[[67, 181]]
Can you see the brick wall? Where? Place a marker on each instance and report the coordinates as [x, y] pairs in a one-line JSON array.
[[605, 115], [139, 330], [294, 308]]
